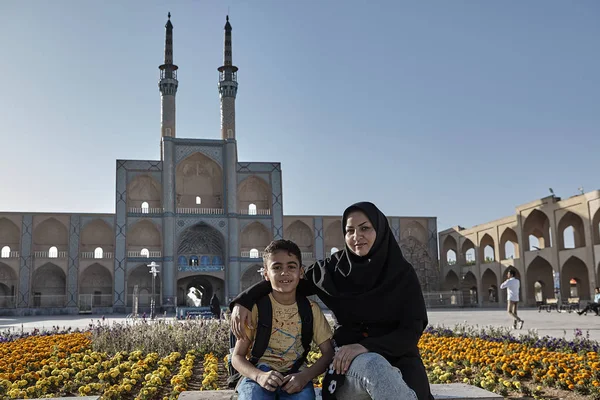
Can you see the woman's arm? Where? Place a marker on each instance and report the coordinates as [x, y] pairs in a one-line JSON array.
[[400, 342]]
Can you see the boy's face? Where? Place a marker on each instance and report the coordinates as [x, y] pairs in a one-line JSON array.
[[283, 271]]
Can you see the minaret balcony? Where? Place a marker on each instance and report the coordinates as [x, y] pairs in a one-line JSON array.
[[200, 210]]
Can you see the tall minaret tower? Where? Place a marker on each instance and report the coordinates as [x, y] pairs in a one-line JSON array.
[[168, 87], [227, 88]]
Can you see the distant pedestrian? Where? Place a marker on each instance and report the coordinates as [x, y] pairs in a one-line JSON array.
[[593, 306], [215, 306], [512, 285]]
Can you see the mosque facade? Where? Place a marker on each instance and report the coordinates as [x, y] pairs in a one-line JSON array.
[[198, 213]]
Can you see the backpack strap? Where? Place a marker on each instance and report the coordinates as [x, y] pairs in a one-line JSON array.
[[306, 316], [263, 329]]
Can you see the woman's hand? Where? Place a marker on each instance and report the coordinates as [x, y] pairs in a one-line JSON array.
[[240, 317], [343, 358]]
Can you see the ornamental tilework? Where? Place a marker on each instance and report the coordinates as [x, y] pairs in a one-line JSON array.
[[142, 165], [396, 228], [156, 175], [25, 265], [120, 236], [433, 243], [277, 204], [215, 153], [73, 262], [184, 223], [318, 233], [253, 167]]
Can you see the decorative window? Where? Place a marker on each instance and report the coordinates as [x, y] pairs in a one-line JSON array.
[[98, 253], [5, 253], [145, 253], [53, 252], [253, 253], [145, 207], [198, 200], [252, 209]]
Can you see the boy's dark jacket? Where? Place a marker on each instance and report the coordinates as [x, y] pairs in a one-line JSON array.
[[377, 300]]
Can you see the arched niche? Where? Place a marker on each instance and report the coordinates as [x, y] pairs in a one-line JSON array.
[[254, 191], [50, 233], [415, 230], [48, 286], [537, 225], [509, 245], [199, 176], [97, 233], [10, 235], [570, 231], [334, 236], [301, 234], [255, 235], [144, 234], [96, 282], [144, 189], [201, 240]]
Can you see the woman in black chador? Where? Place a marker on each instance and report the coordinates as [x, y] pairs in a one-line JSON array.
[[215, 306], [379, 307]]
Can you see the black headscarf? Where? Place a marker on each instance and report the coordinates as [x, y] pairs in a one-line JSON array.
[[383, 277]]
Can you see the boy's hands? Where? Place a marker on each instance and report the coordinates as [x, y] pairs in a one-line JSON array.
[[294, 383], [269, 380]]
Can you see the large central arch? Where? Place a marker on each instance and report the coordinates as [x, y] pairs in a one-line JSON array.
[[201, 244], [207, 285]]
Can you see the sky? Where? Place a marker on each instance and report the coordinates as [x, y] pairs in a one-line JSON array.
[[461, 110]]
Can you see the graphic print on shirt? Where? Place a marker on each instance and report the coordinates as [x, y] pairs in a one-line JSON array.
[[285, 345]]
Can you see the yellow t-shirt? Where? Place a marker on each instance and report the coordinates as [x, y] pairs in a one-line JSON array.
[[285, 344]]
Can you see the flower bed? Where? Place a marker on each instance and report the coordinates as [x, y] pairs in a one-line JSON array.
[[159, 361]]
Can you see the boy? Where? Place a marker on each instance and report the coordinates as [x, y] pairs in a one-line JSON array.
[[282, 262]]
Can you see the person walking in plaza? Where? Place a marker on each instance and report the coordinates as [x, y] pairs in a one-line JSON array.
[[512, 286]]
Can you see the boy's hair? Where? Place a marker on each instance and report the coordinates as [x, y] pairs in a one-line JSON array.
[[282, 245], [512, 273]]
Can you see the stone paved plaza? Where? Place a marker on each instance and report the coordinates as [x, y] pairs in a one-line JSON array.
[[551, 324]]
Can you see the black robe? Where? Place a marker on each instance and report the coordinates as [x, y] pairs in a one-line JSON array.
[[377, 299]]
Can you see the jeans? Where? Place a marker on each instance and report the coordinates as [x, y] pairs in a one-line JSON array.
[[251, 390], [371, 376]]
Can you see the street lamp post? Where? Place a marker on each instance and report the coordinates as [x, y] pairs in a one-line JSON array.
[[154, 271]]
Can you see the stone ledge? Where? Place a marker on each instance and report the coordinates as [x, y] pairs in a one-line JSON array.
[[454, 391]]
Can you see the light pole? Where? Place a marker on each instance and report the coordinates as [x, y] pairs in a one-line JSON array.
[[154, 271]]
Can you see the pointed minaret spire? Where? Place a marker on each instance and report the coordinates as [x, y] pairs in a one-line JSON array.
[[168, 86], [227, 87]]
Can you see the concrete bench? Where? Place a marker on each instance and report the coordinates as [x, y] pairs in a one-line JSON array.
[[454, 391]]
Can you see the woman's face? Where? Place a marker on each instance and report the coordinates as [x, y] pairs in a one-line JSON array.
[[360, 234]]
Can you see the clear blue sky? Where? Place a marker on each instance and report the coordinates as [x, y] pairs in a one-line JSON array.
[[455, 109]]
